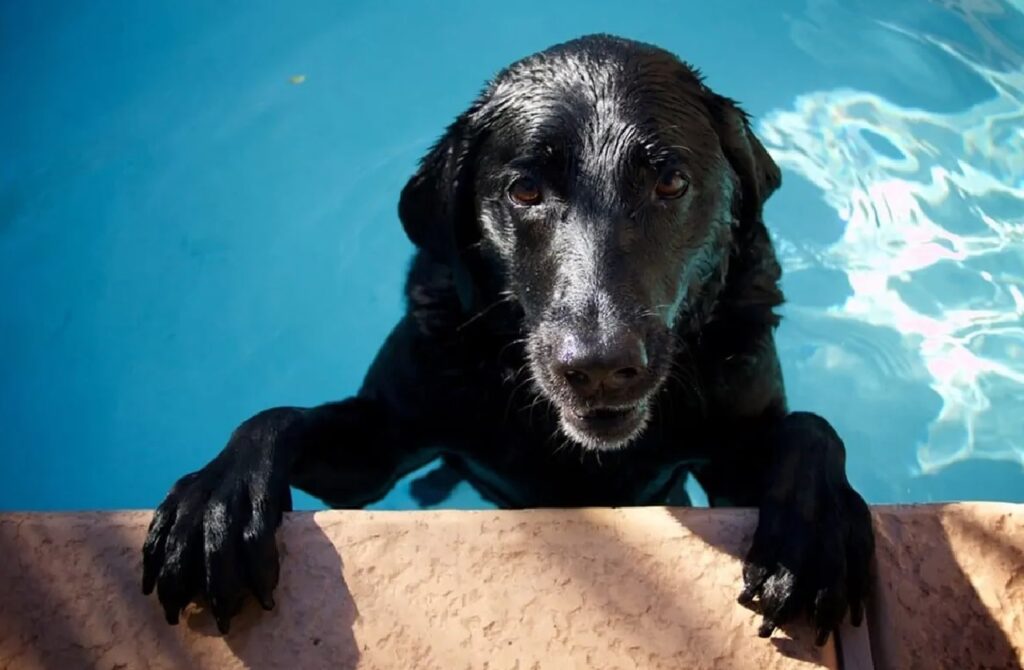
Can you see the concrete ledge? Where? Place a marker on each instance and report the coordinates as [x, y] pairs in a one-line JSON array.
[[949, 592], [645, 588]]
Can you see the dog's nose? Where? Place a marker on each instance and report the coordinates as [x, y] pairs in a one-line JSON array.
[[612, 365]]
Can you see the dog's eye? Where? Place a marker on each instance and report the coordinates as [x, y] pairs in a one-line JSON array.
[[671, 184], [525, 191]]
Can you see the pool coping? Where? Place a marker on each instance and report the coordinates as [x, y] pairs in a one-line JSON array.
[[594, 588]]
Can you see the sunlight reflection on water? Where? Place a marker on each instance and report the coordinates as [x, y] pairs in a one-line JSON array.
[[933, 245]]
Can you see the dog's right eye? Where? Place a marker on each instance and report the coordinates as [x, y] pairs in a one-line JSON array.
[[525, 191], [671, 185]]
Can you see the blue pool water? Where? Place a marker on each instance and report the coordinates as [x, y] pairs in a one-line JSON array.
[[197, 217]]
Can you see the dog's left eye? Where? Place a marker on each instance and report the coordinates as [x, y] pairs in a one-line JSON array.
[[525, 191], [671, 185]]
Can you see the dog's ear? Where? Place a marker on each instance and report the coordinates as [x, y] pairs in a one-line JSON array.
[[758, 173], [432, 199], [436, 207]]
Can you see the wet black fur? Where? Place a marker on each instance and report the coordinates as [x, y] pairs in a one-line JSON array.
[[466, 374]]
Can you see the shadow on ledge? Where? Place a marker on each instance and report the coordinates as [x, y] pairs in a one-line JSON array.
[[72, 598], [595, 588], [311, 623]]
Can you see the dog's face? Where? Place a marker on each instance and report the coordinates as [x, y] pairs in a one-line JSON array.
[[599, 185]]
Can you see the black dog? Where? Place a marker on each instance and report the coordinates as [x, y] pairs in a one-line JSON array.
[[590, 319]]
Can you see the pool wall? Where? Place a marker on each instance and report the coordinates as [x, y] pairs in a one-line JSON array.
[[584, 588]]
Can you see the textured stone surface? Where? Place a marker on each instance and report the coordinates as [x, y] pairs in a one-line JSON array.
[[639, 588], [950, 587]]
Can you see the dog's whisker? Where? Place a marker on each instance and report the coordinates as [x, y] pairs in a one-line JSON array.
[[511, 343], [515, 390], [484, 311], [537, 399]]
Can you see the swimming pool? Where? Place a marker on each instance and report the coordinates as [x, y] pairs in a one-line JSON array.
[[198, 218]]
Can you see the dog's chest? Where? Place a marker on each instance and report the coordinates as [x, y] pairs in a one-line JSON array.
[[515, 469]]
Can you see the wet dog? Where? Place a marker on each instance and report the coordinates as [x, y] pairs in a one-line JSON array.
[[590, 320]]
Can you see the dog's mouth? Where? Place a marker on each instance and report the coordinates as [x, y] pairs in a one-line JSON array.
[[612, 413], [605, 428]]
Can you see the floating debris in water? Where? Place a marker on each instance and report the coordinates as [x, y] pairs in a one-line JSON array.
[[297, 79]]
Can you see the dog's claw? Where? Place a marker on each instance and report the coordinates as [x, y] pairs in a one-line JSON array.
[[198, 567]]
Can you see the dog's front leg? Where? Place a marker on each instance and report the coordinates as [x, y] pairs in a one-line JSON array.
[[814, 541], [214, 534]]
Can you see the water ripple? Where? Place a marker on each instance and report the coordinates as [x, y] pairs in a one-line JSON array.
[[933, 245]]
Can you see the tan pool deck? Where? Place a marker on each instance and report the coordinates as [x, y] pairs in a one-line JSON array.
[[560, 589]]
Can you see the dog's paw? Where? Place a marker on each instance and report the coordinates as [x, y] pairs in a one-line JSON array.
[[213, 537], [810, 558]]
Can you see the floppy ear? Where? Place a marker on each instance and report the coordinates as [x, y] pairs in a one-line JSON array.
[[436, 206], [758, 173]]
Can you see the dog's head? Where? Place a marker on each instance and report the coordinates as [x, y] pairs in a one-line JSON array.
[[600, 185]]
